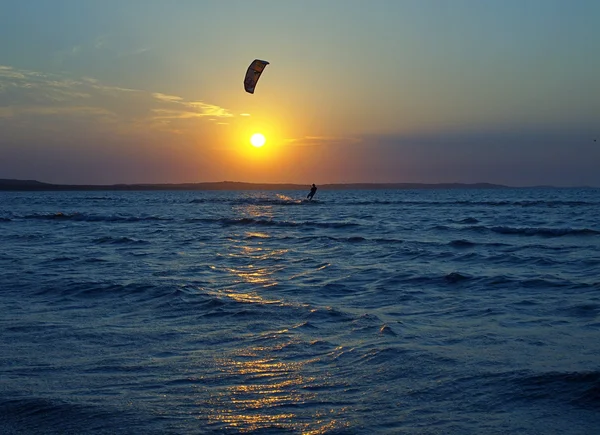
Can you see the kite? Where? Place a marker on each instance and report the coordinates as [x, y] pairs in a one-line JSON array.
[[253, 74]]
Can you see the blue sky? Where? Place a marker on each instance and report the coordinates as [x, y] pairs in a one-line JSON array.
[[383, 91]]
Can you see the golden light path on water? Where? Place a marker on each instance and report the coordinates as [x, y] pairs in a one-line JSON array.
[[261, 390]]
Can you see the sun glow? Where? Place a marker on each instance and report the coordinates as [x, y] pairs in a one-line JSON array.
[[257, 140]]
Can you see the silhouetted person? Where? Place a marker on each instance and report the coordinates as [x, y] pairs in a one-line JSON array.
[[312, 192]]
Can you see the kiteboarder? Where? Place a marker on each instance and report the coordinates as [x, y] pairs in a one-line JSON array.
[[312, 192]]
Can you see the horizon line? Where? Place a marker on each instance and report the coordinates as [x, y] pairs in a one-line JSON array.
[[20, 185]]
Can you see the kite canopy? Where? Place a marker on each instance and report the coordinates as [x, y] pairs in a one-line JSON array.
[[253, 74]]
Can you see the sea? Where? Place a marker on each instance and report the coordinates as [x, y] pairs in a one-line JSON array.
[[428, 311]]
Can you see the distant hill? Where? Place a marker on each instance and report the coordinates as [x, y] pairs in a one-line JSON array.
[[32, 185], [21, 183], [373, 186]]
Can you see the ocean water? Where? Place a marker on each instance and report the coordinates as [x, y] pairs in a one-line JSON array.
[[361, 312]]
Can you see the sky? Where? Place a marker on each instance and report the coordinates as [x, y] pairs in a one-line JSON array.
[[425, 91]]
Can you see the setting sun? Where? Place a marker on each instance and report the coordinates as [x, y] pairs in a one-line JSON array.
[[257, 140]]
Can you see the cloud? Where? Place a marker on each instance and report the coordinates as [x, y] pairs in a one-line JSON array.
[[101, 41], [195, 108], [209, 109], [178, 110], [324, 140], [175, 114], [8, 72], [134, 52], [22, 86], [167, 98], [13, 112], [24, 93]]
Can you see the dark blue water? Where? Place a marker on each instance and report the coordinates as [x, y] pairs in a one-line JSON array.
[[371, 312]]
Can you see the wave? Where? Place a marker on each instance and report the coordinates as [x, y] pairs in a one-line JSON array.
[[529, 203], [522, 231], [143, 291], [285, 200], [491, 203], [27, 236], [492, 281], [457, 277], [120, 241], [545, 232], [576, 388], [583, 311], [274, 223], [280, 201], [458, 243], [103, 198], [521, 389], [83, 217], [168, 299], [461, 243], [54, 416], [350, 239], [469, 220], [548, 282]]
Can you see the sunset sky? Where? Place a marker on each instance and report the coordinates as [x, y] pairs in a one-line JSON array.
[[151, 91]]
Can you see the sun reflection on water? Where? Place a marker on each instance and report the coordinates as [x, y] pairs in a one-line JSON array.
[[251, 298], [266, 394], [263, 386]]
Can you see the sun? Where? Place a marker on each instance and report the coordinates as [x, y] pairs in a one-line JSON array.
[[257, 140]]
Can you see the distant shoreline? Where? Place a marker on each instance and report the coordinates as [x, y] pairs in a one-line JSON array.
[[33, 185]]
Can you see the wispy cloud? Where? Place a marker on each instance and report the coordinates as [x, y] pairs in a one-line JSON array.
[[167, 98], [13, 112], [8, 72], [76, 50], [24, 86], [175, 114], [193, 108], [134, 52], [324, 140], [25, 93], [101, 41], [209, 109], [178, 109]]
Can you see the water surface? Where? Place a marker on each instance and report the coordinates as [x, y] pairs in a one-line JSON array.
[[400, 311]]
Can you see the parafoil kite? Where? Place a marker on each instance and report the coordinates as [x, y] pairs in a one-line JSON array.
[[253, 74]]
